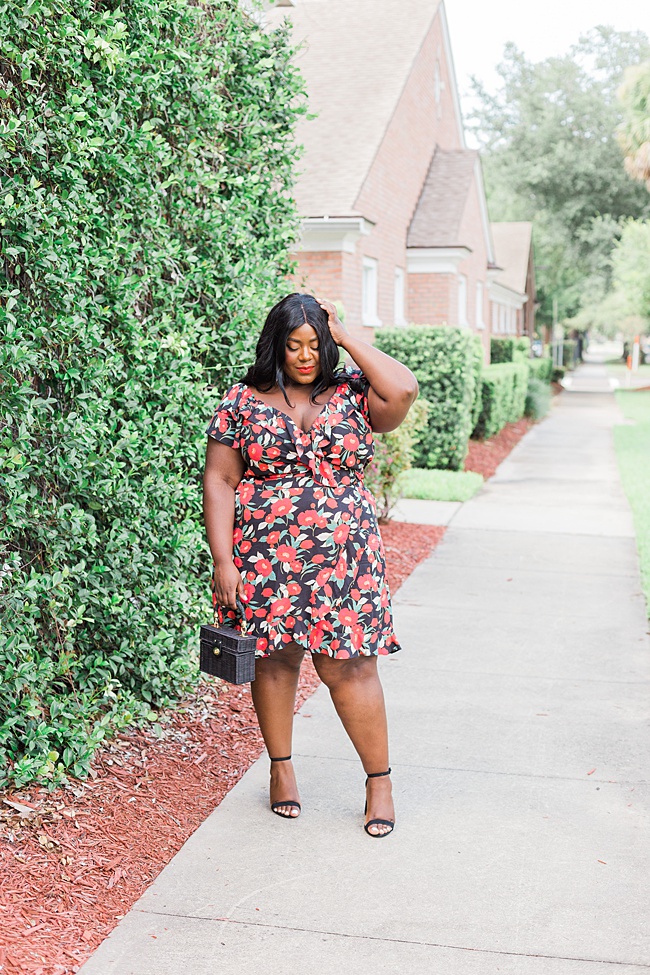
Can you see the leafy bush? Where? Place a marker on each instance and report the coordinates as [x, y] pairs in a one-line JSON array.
[[503, 397], [479, 356], [541, 368], [557, 374], [444, 361], [394, 455], [147, 154], [538, 398], [569, 354], [501, 350]]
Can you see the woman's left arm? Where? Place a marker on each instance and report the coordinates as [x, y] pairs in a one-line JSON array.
[[393, 387]]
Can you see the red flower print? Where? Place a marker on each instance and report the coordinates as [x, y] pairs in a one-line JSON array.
[[348, 617], [245, 491], [285, 553], [305, 532], [356, 637], [282, 507], [280, 606], [341, 533], [368, 582]]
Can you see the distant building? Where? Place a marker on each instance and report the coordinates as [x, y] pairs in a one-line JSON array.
[[395, 222], [512, 284]]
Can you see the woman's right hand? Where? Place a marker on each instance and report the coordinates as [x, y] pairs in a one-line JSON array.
[[228, 585]]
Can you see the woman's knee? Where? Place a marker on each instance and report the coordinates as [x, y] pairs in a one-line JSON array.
[[335, 672], [284, 658]]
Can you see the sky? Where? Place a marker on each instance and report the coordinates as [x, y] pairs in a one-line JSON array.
[[479, 30]]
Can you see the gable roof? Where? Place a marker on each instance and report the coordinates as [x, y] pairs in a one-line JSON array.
[[438, 215], [356, 59], [512, 243]]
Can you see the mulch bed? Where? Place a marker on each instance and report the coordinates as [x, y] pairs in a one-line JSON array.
[[73, 861], [484, 456]]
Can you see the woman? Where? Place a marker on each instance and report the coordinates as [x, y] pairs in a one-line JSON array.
[[284, 468]]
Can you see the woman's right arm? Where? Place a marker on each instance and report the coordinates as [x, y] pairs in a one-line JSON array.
[[224, 469]]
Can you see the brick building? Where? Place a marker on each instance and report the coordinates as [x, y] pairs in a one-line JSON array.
[[395, 223], [512, 287]]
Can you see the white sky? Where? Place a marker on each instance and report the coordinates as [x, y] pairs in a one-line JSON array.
[[479, 30]]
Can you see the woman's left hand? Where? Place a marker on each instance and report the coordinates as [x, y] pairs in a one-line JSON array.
[[337, 331]]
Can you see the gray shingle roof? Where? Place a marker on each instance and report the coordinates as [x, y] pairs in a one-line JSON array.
[[512, 243], [437, 218], [356, 59]]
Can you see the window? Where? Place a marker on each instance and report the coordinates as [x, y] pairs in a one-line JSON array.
[[479, 305], [399, 317], [369, 314], [462, 300]]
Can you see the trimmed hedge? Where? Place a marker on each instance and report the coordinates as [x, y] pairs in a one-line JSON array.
[[510, 349], [444, 361], [541, 368], [147, 153], [503, 397], [393, 455]]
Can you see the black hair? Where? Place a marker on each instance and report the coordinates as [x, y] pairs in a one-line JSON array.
[[287, 315]]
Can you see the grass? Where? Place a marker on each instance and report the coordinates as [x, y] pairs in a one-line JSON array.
[[440, 485], [632, 445], [618, 370]]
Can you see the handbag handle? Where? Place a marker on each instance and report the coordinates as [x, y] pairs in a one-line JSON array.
[[240, 610]]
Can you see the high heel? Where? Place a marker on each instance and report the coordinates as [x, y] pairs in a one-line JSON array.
[[276, 806], [377, 822]]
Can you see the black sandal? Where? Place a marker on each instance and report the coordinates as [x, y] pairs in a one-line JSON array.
[[275, 806], [378, 822]]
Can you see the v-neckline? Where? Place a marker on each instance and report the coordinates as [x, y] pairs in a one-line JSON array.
[[303, 433]]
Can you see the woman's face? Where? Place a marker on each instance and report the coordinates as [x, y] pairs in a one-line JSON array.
[[301, 361]]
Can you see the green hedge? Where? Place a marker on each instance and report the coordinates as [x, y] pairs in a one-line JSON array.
[[445, 362], [503, 397], [147, 153], [509, 349], [541, 368], [394, 453]]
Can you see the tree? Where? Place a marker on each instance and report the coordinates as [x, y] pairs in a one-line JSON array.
[[550, 154], [634, 131], [631, 266]]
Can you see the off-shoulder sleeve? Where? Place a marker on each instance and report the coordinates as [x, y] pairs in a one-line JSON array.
[[359, 393], [225, 425]]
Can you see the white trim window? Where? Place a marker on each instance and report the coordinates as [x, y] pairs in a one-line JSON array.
[[462, 300], [400, 278], [369, 288], [480, 323]]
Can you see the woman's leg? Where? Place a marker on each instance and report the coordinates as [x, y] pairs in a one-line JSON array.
[[274, 696], [359, 701]]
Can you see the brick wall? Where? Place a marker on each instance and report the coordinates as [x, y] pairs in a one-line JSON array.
[[432, 299], [392, 189]]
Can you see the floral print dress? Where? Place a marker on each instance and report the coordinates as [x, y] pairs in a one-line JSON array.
[[305, 536]]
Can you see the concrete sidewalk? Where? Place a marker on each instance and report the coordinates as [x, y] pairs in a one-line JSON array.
[[519, 749]]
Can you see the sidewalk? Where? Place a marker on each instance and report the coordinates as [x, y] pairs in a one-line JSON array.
[[519, 747]]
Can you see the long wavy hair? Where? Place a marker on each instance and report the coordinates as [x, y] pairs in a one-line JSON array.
[[289, 314]]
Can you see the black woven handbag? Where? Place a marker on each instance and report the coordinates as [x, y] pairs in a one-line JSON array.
[[227, 653]]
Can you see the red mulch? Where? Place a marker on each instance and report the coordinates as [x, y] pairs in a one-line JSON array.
[[73, 861], [484, 456]]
